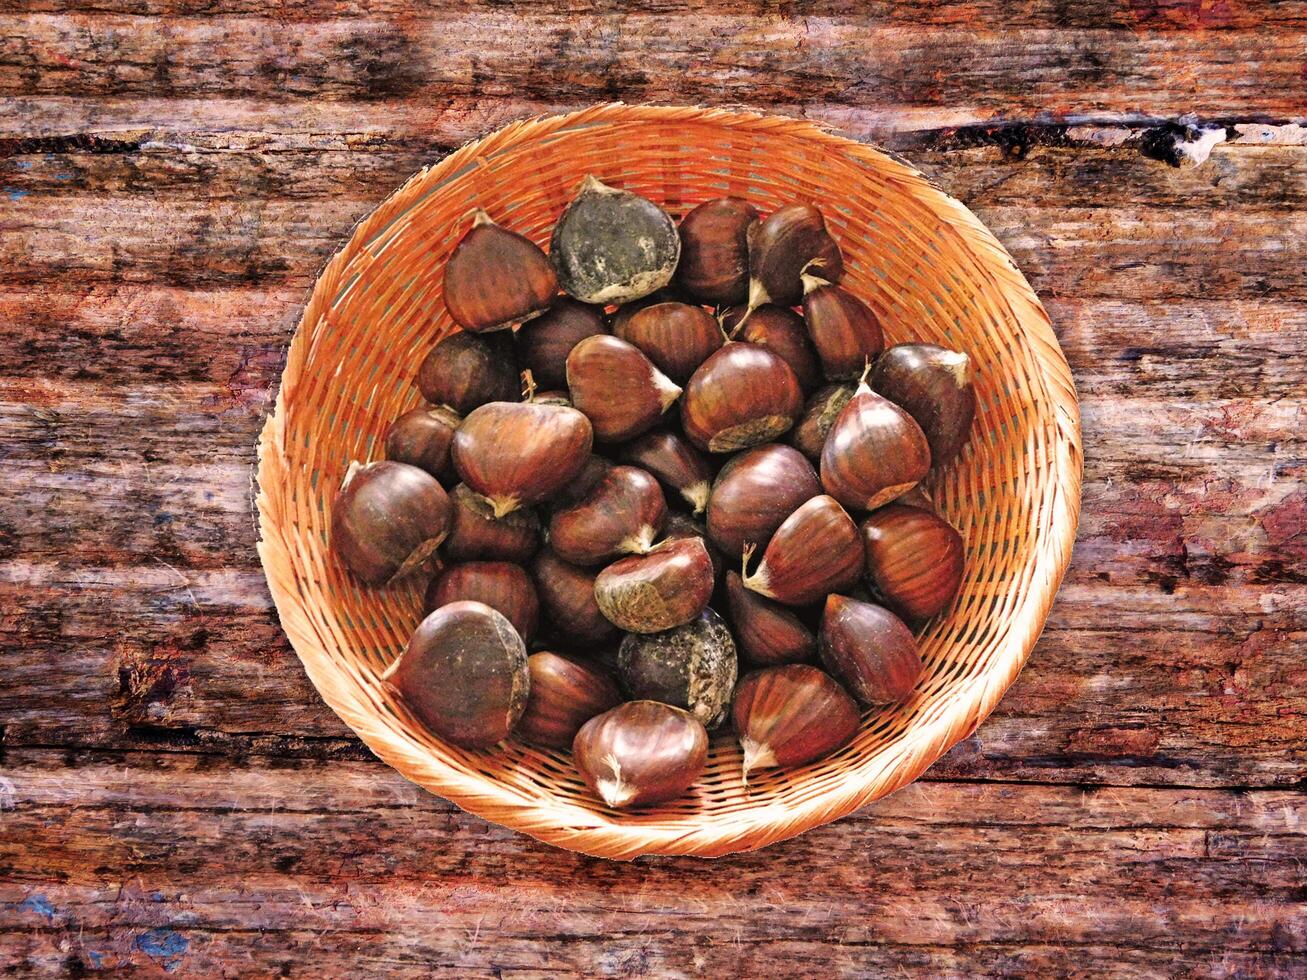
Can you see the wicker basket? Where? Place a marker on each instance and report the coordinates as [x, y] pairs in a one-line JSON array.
[[919, 258]]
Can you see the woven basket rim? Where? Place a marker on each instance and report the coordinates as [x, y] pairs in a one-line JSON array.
[[632, 835]]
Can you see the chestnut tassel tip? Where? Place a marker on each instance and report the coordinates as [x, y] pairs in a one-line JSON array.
[[757, 755], [668, 390], [697, 496]]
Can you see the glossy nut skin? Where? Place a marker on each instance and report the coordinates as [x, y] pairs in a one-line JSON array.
[[791, 715], [640, 753], [874, 452], [388, 520], [679, 527], [465, 371], [495, 278], [622, 515], [693, 666], [501, 585], [519, 453], [567, 596], [767, 632], [544, 343], [668, 294], [714, 266], [676, 464], [742, 396], [618, 388], [565, 694], [464, 674], [476, 533], [780, 330], [844, 330], [422, 437], [754, 493], [869, 650], [657, 591], [677, 337], [823, 408], [914, 560], [814, 552], [934, 386], [782, 246]]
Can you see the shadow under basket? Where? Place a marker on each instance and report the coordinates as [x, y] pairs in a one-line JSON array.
[[921, 260]]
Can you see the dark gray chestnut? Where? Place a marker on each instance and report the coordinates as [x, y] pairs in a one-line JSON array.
[[693, 667]]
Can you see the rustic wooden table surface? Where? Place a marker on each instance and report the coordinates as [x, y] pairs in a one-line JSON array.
[[174, 797]]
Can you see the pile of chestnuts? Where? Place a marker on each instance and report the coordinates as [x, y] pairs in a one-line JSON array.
[[655, 454]]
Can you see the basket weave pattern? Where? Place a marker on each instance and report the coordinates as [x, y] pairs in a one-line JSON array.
[[921, 260]]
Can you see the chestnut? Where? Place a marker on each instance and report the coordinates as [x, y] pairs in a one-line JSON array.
[[613, 246], [622, 515], [544, 343], [754, 493], [496, 278], [475, 531], [791, 715], [914, 560], [664, 588], [617, 387], [679, 527], [501, 585], [640, 753], [567, 594], [692, 666], [676, 464], [779, 330], [668, 294], [874, 452], [843, 329], [823, 408], [388, 520], [422, 437], [815, 551], [677, 337], [869, 649], [782, 247], [714, 266], [565, 694], [463, 674], [933, 385], [520, 453], [741, 396], [465, 371], [766, 631]]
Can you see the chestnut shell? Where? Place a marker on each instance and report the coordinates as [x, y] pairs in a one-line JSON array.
[[544, 343], [495, 278], [754, 493], [914, 560], [743, 395], [693, 666], [640, 753], [714, 266], [388, 520], [932, 384], [465, 371], [565, 693], [869, 649]]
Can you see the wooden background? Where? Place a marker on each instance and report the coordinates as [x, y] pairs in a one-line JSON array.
[[175, 798]]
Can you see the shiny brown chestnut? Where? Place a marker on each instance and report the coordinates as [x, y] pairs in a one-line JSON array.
[[714, 265], [617, 387], [519, 453], [914, 560], [668, 294], [743, 395], [782, 247], [544, 343], [677, 465], [677, 337], [640, 753], [754, 493], [496, 278], [501, 585], [814, 552], [388, 520], [622, 515], [844, 330], [869, 650], [933, 385], [692, 666], [565, 694], [823, 408], [656, 591], [422, 437], [874, 452], [766, 631], [464, 674], [567, 595], [476, 533], [779, 330], [791, 715], [465, 371]]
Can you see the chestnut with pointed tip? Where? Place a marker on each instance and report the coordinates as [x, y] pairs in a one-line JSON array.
[[914, 560], [743, 395], [869, 650], [874, 452], [692, 666], [622, 515], [501, 585], [388, 520], [933, 385], [791, 715], [544, 343], [567, 595], [422, 437], [714, 264], [844, 330], [782, 247], [754, 493], [677, 337], [464, 674], [766, 631], [617, 387], [476, 533], [676, 464], [779, 330], [823, 408], [656, 591], [565, 694], [640, 753], [496, 278], [814, 552], [520, 453], [465, 371]]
